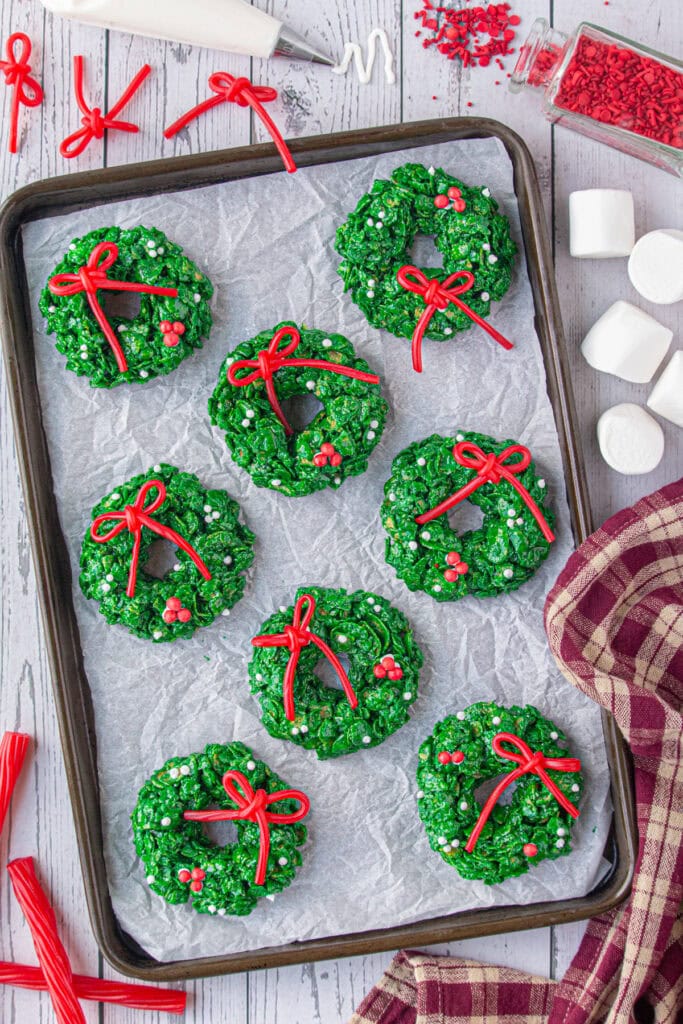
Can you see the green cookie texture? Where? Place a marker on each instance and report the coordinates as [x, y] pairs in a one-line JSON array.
[[168, 844], [365, 628], [351, 419], [148, 257], [500, 556], [207, 519], [449, 809], [376, 240]]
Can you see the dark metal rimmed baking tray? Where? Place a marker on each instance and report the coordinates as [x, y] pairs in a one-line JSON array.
[[59, 196]]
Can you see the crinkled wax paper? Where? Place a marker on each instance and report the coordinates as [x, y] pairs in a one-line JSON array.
[[267, 245]]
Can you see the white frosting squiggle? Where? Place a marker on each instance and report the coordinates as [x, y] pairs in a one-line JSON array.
[[353, 52]]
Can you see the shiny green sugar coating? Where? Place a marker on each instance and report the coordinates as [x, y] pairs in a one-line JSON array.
[[501, 555], [449, 808], [376, 241], [168, 844], [145, 256], [351, 419], [365, 628], [207, 519]]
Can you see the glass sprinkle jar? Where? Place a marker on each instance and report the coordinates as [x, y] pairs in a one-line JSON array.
[[608, 88]]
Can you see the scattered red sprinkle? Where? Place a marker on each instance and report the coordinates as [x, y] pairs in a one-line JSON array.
[[473, 35], [470, 103], [529, 849]]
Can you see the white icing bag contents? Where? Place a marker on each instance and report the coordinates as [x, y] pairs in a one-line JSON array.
[[601, 223], [656, 266], [630, 440], [667, 394], [353, 52], [627, 343]]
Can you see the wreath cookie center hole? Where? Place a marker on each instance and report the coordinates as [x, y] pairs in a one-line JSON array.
[[124, 305], [162, 557], [219, 833], [300, 410], [327, 675], [484, 790], [465, 517], [424, 253]]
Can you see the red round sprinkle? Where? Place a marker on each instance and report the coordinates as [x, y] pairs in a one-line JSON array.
[[184, 615], [459, 205], [184, 875], [444, 757], [457, 757], [335, 460], [319, 460], [174, 604], [453, 557], [379, 672], [451, 575], [196, 886], [441, 202], [529, 849], [169, 616], [165, 326], [395, 673], [462, 568], [327, 448], [387, 662], [171, 340], [454, 192], [198, 874], [178, 328]]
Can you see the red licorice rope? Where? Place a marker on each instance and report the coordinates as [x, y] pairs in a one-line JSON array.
[[252, 805], [13, 747], [295, 637], [269, 361], [490, 469], [133, 518], [52, 956], [91, 278], [94, 122], [241, 91], [473, 35], [526, 762], [437, 295], [17, 72]]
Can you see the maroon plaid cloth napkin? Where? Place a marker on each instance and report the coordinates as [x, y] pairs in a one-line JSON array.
[[615, 624]]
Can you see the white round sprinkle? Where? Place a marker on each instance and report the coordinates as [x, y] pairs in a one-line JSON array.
[[370, 294], [227, 560], [392, 496], [174, 772], [576, 787], [282, 861], [379, 225], [561, 832], [294, 731], [222, 911], [276, 483], [370, 222], [212, 909], [370, 600], [304, 729], [447, 848], [84, 355], [151, 879], [251, 765], [157, 634], [382, 214], [426, 535], [282, 608], [493, 259], [225, 613], [197, 298], [371, 435], [559, 844], [430, 170], [511, 522], [421, 461], [463, 805], [185, 769], [150, 244], [508, 574], [437, 588], [455, 843], [342, 639], [420, 794], [553, 736], [459, 437], [165, 822], [105, 588], [327, 343], [511, 511], [407, 695], [72, 247], [259, 677], [486, 246], [496, 720], [215, 515], [109, 577], [51, 309], [337, 479], [208, 519], [116, 496], [208, 508], [144, 374], [246, 423], [152, 252], [520, 521], [485, 296], [412, 545], [366, 739], [371, 282], [541, 484], [160, 250], [310, 384], [442, 840], [460, 715], [230, 360], [447, 330], [250, 414], [486, 192], [374, 424], [84, 348]]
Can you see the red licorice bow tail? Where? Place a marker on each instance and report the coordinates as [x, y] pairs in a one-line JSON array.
[[94, 122], [17, 72], [270, 360], [437, 295], [526, 761], [252, 805], [13, 748], [241, 91], [295, 637]]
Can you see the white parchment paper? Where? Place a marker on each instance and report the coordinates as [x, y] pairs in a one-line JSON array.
[[267, 245]]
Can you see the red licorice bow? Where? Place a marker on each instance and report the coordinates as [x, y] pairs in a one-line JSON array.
[[437, 295], [91, 278], [133, 518], [252, 805], [94, 122], [17, 72], [491, 469], [295, 637], [269, 361], [526, 762], [241, 91]]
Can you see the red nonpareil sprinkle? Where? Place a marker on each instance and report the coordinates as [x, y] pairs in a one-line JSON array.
[[472, 35], [13, 749]]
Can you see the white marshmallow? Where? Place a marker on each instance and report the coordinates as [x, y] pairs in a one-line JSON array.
[[667, 394], [630, 440], [656, 266], [627, 343], [601, 223]]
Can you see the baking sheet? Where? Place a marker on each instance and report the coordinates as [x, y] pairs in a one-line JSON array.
[[267, 244]]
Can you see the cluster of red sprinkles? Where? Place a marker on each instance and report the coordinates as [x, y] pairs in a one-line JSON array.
[[473, 35]]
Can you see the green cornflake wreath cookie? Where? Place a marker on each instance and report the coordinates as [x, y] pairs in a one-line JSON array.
[[380, 686], [174, 311], [430, 476], [497, 841], [279, 364], [181, 863], [213, 551]]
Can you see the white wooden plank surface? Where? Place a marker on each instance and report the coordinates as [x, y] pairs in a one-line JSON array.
[[311, 101]]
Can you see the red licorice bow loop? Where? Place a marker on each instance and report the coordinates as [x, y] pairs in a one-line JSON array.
[[133, 518], [437, 295], [527, 762], [295, 637], [17, 72], [252, 805], [490, 469], [270, 360], [94, 122]]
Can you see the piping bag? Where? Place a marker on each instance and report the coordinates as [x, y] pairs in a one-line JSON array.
[[232, 25]]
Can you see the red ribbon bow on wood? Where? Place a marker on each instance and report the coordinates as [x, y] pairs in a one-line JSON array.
[[526, 762], [91, 278], [241, 91], [491, 469], [94, 122], [17, 72], [269, 361], [133, 518], [252, 805], [437, 295], [295, 637]]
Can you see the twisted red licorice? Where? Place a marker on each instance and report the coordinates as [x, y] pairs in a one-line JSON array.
[[252, 805], [295, 637], [270, 360], [13, 749], [99, 990], [91, 278], [526, 762], [133, 518], [491, 469], [94, 122], [437, 295], [241, 91], [17, 72]]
